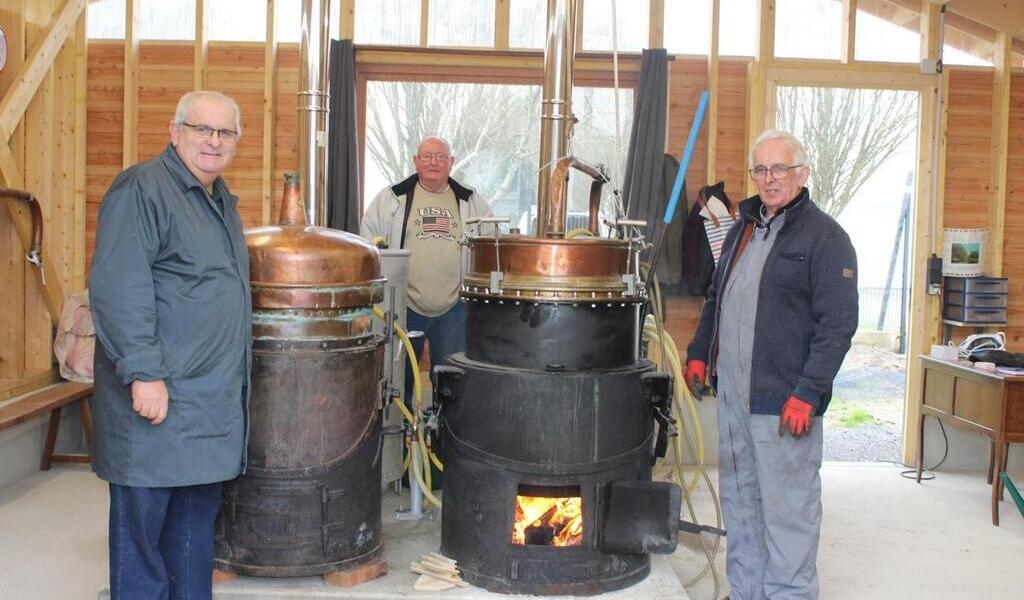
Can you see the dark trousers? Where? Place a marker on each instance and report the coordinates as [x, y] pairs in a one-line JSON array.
[[447, 335], [161, 542]]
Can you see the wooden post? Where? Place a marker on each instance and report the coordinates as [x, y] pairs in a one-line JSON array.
[[1000, 144], [502, 23], [925, 314], [424, 22], [712, 127], [656, 25], [81, 99], [847, 51], [202, 45], [347, 19], [757, 75], [129, 143]]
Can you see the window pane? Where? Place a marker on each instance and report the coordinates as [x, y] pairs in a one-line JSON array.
[[632, 29], [594, 142], [461, 23], [808, 28], [105, 20], [736, 28], [388, 22], [527, 23], [495, 150], [167, 20], [688, 26], [288, 20], [894, 37], [236, 20], [960, 48]]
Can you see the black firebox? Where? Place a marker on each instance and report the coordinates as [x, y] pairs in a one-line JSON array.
[[550, 424]]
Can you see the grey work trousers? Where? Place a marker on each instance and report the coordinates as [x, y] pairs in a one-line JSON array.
[[770, 489]]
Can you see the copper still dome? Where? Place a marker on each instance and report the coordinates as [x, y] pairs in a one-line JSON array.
[[296, 265]]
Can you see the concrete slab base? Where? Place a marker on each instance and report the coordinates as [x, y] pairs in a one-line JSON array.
[[405, 542]]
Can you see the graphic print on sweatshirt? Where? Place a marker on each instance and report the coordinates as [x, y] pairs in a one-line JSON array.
[[434, 222]]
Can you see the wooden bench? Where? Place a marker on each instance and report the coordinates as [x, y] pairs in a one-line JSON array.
[[53, 400]]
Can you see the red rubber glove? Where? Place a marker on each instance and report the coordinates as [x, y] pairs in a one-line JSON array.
[[796, 416], [696, 374]]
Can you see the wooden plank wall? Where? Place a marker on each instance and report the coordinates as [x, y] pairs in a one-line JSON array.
[[687, 79], [44, 147], [165, 73], [1013, 250]]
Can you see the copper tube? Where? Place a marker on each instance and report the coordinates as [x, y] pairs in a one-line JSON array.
[[292, 210], [555, 225]]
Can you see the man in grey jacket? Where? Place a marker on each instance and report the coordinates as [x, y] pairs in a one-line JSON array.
[[169, 289], [780, 314], [426, 214]]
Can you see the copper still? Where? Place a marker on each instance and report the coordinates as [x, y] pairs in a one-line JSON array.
[[309, 502], [550, 422]]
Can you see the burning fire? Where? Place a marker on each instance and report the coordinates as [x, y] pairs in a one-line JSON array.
[[548, 521]]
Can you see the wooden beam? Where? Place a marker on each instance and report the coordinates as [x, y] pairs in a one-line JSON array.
[[656, 24], [202, 45], [931, 32], [347, 19], [502, 23], [34, 69], [848, 45], [129, 141], [925, 313], [757, 74], [81, 101], [713, 79], [424, 22], [269, 95], [1000, 144]]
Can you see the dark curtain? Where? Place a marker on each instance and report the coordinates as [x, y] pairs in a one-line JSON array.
[[645, 163], [342, 150]]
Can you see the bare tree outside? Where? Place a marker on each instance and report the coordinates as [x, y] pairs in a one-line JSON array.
[[849, 134], [494, 131]]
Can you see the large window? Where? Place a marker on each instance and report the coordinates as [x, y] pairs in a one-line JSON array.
[[527, 23], [807, 28], [881, 39], [388, 22], [688, 25], [632, 25], [494, 131], [236, 20], [461, 23]]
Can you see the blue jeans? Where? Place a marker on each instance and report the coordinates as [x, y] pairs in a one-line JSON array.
[[447, 335], [161, 542]]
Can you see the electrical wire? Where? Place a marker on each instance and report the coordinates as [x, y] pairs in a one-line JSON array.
[[927, 473], [667, 351]]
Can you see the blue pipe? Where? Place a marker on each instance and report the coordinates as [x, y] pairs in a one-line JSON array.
[[691, 142]]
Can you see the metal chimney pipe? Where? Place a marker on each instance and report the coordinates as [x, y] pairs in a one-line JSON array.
[[313, 109], [556, 117]]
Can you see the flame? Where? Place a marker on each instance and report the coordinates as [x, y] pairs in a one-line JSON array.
[[562, 517]]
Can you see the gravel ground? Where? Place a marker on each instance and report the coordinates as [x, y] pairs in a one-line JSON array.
[[871, 381]]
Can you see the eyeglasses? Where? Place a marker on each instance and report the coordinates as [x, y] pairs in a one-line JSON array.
[[205, 132], [437, 157], [778, 171]]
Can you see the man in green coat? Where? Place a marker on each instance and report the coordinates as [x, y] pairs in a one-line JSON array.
[[169, 289]]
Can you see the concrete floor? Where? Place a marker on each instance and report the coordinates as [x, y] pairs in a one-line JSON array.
[[883, 536]]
